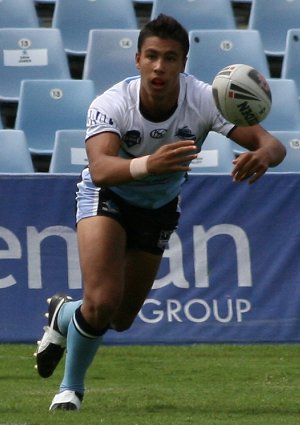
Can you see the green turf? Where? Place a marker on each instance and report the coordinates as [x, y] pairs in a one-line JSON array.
[[200, 384]]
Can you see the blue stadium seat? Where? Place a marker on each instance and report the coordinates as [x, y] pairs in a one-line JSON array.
[[291, 141], [197, 14], [15, 156], [291, 59], [18, 13], [285, 111], [29, 53], [216, 155], [273, 19], [46, 106], [212, 50], [69, 154], [117, 58], [76, 18]]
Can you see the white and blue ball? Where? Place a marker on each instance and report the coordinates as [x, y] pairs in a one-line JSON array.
[[242, 95]]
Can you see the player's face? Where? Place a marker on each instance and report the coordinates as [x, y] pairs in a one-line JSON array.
[[160, 62]]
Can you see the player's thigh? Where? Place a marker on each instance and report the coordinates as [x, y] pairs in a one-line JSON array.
[[101, 243], [140, 272]]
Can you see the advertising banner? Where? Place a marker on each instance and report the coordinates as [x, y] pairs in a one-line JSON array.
[[231, 273]]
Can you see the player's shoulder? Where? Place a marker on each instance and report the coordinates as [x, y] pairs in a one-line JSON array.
[[123, 93], [196, 92], [194, 84]]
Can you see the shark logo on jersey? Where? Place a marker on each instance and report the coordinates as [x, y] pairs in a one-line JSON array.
[[132, 138], [185, 133]]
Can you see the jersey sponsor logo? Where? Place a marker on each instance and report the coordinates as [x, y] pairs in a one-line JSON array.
[[96, 117], [132, 138], [158, 133], [185, 133]]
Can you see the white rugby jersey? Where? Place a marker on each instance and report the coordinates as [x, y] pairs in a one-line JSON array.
[[117, 110]]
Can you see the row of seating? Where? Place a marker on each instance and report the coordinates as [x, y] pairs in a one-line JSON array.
[[38, 53], [30, 57], [271, 18], [46, 106], [28, 12], [69, 155], [218, 153], [211, 50], [137, 1]]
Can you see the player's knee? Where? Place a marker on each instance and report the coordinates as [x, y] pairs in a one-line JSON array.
[[101, 312], [122, 324]]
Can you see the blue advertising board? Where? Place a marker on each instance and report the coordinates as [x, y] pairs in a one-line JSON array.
[[230, 274]]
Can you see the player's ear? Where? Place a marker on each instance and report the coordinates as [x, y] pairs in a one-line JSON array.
[[137, 60]]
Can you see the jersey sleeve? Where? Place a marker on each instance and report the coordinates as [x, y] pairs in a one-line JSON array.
[[218, 122], [105, 114], [201, 97]]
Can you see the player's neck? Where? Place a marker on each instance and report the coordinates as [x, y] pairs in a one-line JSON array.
[[157, 110]]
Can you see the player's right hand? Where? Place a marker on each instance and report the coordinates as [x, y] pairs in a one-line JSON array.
[[172, 157]]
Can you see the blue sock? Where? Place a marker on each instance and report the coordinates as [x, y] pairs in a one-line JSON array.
[[82, 347], [65, 315]]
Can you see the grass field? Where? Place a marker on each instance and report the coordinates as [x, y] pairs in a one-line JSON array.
[[200, 384]]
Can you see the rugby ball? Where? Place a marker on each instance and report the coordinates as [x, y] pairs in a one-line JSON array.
[[242, 95]]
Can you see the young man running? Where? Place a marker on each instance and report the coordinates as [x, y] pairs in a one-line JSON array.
[[141, 136]]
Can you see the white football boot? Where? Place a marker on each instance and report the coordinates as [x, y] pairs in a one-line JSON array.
[[66, 400]]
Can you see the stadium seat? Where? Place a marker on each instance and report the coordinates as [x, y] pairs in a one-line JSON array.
[[76, 18], [69, 154], [212, 50], [46, 106], [291, 59], [29, 53], [216, 155], [291, 141], [15, 156], [18, 13], [273, 19], [116, 60], [285, 111], [197, 14]]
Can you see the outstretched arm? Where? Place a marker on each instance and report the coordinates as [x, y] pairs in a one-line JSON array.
[[264, 151], [108, 169]]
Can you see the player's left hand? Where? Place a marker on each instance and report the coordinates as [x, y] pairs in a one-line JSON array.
[[250, 165]]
